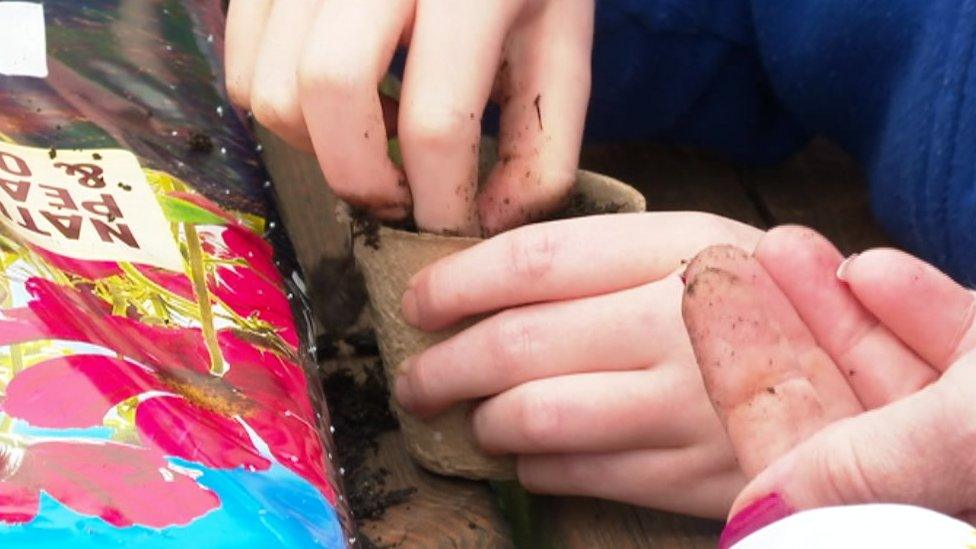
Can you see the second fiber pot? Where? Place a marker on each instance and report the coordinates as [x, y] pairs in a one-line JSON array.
[[444, 444]]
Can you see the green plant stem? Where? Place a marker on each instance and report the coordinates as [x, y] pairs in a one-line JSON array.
[[16, 359], [523, 513], [16, 353], [198, 276]]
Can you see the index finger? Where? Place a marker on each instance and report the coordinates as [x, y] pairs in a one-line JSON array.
[[767, 378], [562, 260], [245, 26]]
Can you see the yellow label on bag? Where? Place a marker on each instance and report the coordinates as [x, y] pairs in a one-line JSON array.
[[85, 204]]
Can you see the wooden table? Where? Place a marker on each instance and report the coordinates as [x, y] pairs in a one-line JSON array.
[[820, 187]]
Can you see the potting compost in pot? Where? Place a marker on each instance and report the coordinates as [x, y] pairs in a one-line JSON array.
[[156, 384]]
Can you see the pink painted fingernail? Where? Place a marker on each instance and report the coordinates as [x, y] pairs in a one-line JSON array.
[[684, 272], [844, 265], [758, 514]]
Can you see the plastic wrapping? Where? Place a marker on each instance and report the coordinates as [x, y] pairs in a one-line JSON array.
[[155, 387]]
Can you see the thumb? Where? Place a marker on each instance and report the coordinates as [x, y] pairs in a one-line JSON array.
[[917, 451]]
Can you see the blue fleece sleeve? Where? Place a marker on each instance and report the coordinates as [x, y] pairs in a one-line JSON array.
[[688, 72], [893, 81]]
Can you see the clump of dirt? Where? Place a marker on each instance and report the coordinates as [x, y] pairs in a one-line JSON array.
[[360, 413], [370, 497], [199, 142], [366, 226], [358, 343], [363, 342]]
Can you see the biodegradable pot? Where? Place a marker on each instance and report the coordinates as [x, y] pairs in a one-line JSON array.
[[444, 444]]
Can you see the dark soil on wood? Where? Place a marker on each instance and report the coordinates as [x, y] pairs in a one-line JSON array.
[[360, 413]]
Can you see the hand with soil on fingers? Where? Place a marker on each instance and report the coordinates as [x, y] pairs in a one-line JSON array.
[[309, 70], [587, 373], [839, 382]]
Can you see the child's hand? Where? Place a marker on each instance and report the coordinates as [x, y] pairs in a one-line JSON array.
[[778, 334], [309, 71], [588, 373]]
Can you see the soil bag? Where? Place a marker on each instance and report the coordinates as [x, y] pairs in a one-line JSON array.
[[155, 384]]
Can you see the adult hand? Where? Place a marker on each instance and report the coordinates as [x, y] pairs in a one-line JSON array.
[[588, 373], [309, 71], [836, 391]]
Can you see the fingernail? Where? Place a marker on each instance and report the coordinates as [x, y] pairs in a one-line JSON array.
[[842, 268], [401, 386], [758, 514], [409, 307]]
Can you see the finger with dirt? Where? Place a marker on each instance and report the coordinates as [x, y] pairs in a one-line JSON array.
[[542, 88], [446, 85], [348, 120], [875, 362], [924, 307], [767, 378]]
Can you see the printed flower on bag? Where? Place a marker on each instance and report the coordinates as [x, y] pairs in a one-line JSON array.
[[179, 407], [122, 484], [242, 277]]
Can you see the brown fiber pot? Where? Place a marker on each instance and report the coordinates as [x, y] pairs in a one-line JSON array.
[[444, 444]]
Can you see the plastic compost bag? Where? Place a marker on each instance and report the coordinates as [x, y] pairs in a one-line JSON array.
[[155, 388]]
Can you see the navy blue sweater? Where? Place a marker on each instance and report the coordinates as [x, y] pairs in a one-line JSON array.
[[893, 81]]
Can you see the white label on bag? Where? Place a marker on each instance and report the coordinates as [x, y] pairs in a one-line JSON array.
[[24, 44], [85, 204]]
